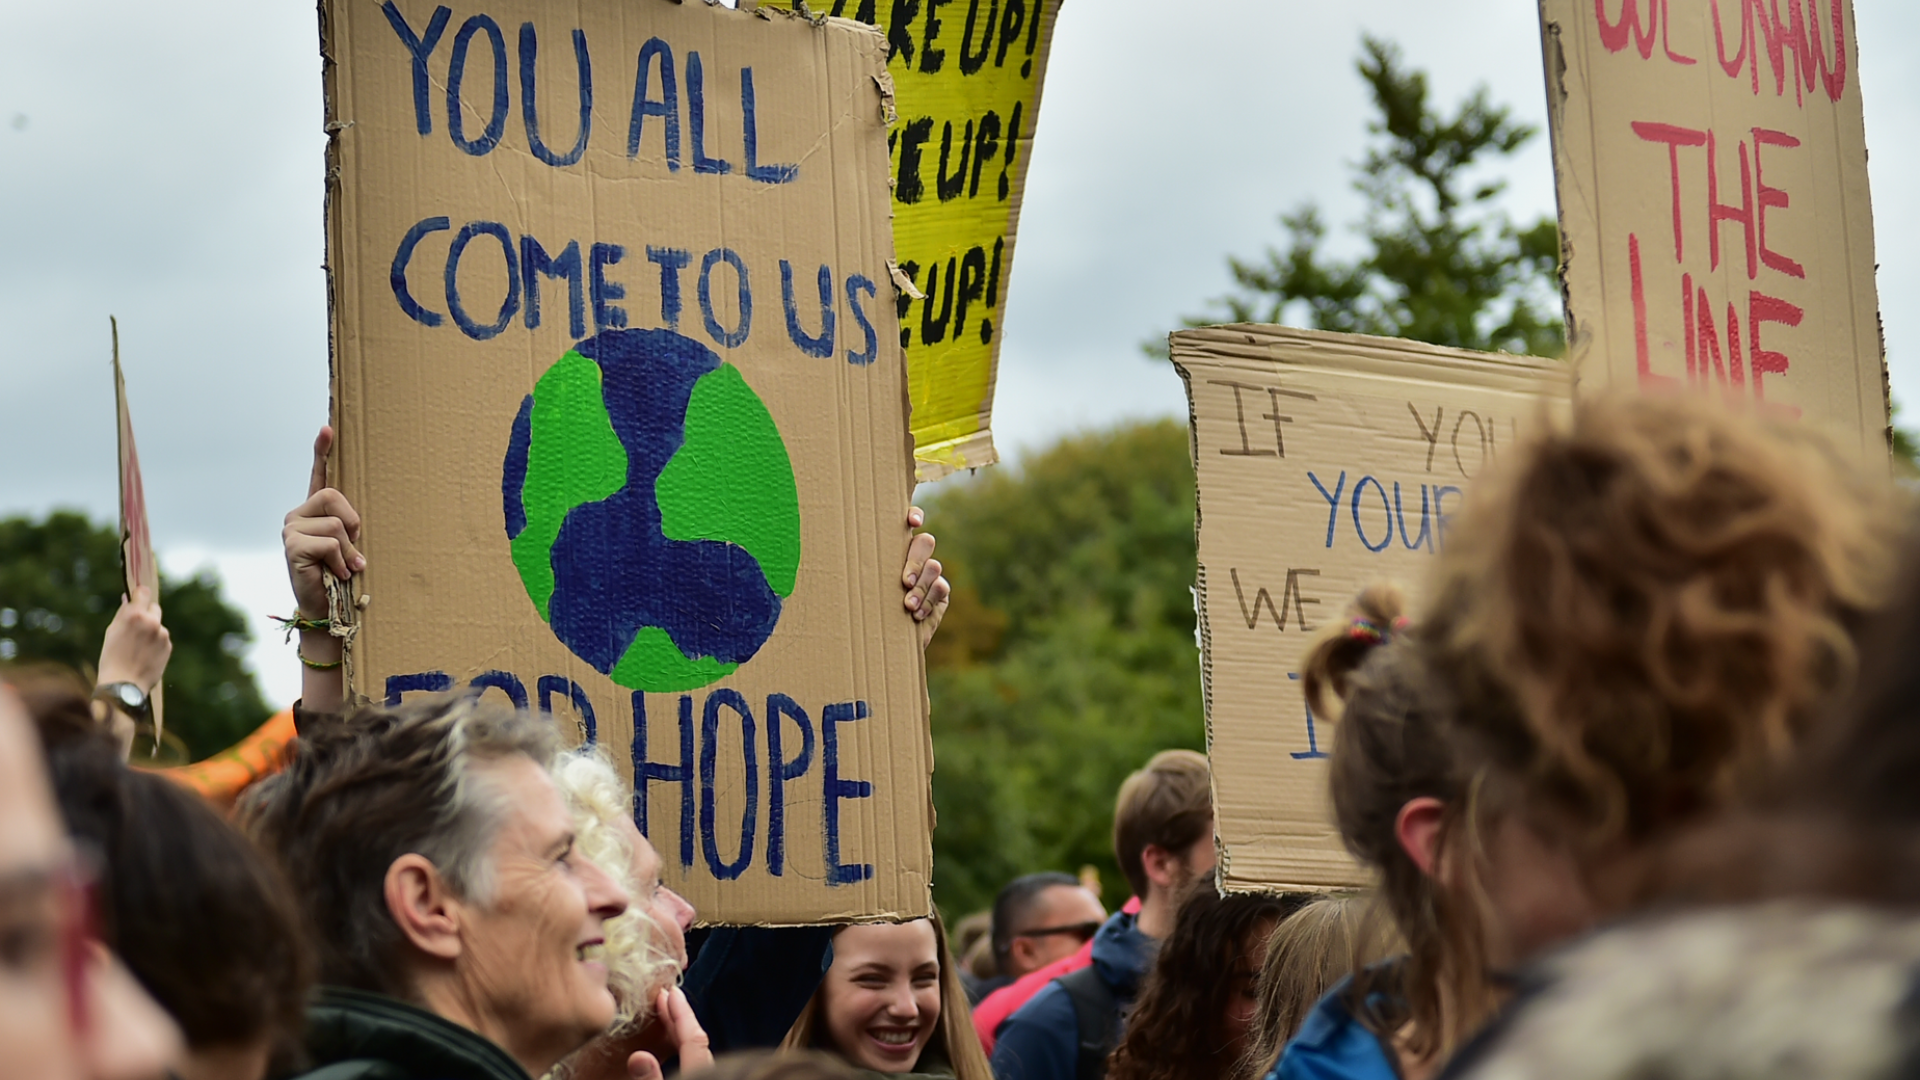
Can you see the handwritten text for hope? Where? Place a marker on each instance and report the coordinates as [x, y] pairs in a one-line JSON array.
[[697, 766]]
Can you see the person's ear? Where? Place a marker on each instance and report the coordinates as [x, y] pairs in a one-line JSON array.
[[1162, 866], [1417, 827], [422, 906], [1020, 951]]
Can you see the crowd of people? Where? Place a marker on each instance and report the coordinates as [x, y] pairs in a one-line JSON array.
[[1632, 787]]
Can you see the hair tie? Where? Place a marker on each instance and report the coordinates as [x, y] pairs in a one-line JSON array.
[[1361, 629]]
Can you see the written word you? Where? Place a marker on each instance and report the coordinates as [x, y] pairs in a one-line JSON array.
[[1789, 42], [1696, 184], [1481, 441], [720, 280], [696, 768], [478, 85]]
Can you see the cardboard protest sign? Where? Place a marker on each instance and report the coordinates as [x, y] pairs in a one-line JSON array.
[[1715, 226], [621, 401], [137, 563], [966, 78], [1324, 463]]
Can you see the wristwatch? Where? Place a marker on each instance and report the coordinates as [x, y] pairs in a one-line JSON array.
[[126, 697]]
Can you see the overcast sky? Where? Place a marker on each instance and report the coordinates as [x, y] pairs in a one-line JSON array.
[[162, 162]]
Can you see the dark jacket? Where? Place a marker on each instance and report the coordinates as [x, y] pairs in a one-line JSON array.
[[355, 1035], [747, 984], [1042, 1040]]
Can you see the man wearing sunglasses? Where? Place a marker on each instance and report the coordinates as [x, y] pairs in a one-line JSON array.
[[1038, 919]]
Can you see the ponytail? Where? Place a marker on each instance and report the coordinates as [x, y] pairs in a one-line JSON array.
[[1373, 619]]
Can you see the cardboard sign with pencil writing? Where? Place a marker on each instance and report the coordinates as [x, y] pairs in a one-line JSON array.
[[621, 400], [1715, 223], [1325, 463]]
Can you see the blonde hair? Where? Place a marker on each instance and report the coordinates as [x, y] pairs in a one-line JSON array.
[[637, 966], [954, 1037], [1332, 936]]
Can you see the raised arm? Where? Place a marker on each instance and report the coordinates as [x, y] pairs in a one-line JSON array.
[[320, 537]]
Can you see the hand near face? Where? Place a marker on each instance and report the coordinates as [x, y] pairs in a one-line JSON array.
[[679, 1029], [927, 590]]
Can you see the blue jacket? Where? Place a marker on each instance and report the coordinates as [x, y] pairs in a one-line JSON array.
[[1334, 1045], [1042, 1040]]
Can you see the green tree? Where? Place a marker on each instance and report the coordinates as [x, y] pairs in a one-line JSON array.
[[1445, 265], [60, 585], [1067, 658]]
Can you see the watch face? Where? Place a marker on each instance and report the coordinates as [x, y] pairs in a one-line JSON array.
[[129, 695]]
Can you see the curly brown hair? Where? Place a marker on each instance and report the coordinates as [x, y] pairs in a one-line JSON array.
[[1652, 604], [1216, 948], [1637, 617]]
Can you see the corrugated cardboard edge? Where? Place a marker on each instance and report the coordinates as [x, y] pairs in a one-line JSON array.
[[1353, 354], [343, 597], [1553, 57]]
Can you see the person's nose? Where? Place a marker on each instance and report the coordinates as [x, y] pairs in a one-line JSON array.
[[901, 1004], [683, 912], [605, 896]]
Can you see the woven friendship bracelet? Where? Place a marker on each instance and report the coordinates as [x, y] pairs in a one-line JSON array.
[[1365, 630], [300, 623]]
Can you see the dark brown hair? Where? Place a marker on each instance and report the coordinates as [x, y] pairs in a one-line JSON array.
[[1843, 820], [1397, 738], [1176, 1030], [359, 792], [1168, 803], [196, 912]]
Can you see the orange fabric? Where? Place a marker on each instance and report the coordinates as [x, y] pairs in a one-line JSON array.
[[223, 776]]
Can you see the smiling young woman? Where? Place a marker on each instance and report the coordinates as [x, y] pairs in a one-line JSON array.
[[892, 1004]]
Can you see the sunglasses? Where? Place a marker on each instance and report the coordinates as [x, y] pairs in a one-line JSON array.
[[1084, 931]]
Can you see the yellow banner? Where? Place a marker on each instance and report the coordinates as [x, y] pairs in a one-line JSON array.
[[966, 78]]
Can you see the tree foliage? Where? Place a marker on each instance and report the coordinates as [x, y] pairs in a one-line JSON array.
[[60, 584], [1067, 658], [1444, 264]]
